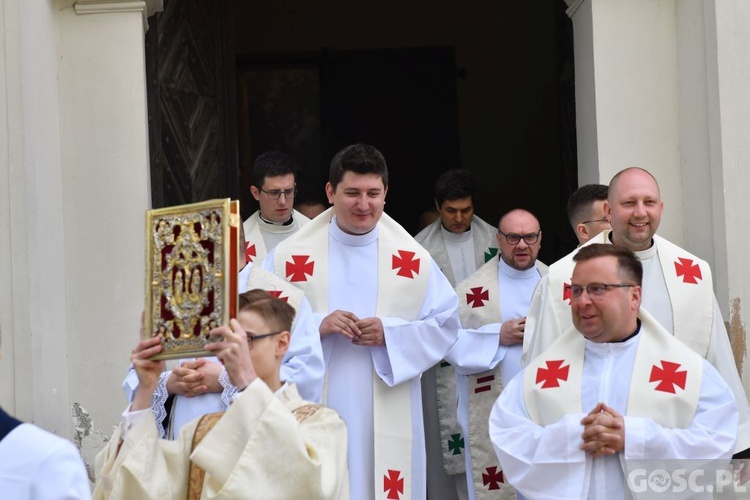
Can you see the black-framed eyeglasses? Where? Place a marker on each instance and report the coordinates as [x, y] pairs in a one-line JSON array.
[[595, 289], [275, 194], [515, 239], [252, 337], [603, 219]]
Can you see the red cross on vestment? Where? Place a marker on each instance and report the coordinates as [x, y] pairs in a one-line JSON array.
[[688, 270], [552, 374], [492, 478], [668, 377], [277, 294], [477, 297], [299, 268], [567, 292], [393, 484], [250, 252], [406, 264]]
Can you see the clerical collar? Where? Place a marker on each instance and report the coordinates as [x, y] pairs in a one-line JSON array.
[[636, 332], [641, 254], [647, 253], [287, 223], [455, 237], [353, 240], [514, 273]]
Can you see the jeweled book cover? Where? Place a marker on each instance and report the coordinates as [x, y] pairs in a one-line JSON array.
[[191, 274]]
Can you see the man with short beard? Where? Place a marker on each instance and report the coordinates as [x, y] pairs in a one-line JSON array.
[[677, 287], [493, 303]]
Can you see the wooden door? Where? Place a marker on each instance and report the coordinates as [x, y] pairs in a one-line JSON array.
[[190, 70]]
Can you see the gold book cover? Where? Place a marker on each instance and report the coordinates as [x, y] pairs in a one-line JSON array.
[[191, 274]]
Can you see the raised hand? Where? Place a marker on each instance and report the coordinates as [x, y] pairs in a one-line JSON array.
[[234, 352]]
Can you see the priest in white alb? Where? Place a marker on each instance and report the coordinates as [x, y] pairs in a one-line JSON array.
[[274, 187], [615, 389], [386, 315], [677, 288], [493, 303]]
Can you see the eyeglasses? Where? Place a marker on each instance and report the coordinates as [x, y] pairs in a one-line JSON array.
[[515, 239], [595, 289], [275, 194], [252, 337], [603, 219]]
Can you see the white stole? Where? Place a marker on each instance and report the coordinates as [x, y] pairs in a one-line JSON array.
[[403, 276], [259, 278], [255, 247], [688, 281], [664, 386], [691, 292]]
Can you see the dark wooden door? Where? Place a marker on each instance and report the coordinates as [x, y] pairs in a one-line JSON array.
[[191, 95]]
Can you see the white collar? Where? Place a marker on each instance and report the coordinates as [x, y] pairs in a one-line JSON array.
[[353, 240], [455, 237], [514, 273]]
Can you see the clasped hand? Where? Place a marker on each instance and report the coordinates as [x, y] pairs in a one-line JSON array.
[[233, 351], [364, 332], [603, 431]]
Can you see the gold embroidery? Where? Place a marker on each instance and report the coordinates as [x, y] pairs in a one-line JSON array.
[[304, 412], [197, 474]]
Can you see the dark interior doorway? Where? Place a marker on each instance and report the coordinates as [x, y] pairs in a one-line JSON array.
[[509, 118], [403, 101]]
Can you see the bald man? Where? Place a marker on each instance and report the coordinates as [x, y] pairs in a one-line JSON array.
[[493, 303], [677, 287]]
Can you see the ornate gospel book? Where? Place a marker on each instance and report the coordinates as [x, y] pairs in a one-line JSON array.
[[191, 274]]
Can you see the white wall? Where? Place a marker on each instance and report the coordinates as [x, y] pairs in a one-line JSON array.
[[10, 169], [635, 69], [33, 293], [586, 122], [73, 190], [104, 157], [729, 118], [670, 82], [695, 52]]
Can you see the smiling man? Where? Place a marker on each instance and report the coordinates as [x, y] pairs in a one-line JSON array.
[[677, 287], [274, 187], [386, 314], [571, 425]]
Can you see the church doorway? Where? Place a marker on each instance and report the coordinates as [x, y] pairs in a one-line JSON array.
[[488, 88]]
